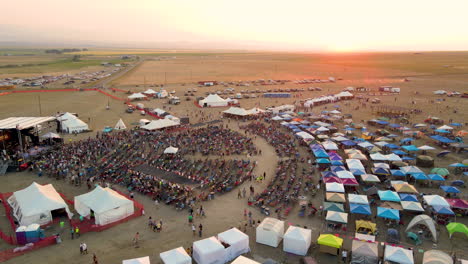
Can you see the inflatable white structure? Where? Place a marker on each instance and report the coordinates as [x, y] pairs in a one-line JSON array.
[[108, 205], [209, 251], [270, 232], [238, 243], [297, 240], [36, 203], [176, 256]]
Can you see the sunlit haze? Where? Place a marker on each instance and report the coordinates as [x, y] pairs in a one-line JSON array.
[[331, 25]]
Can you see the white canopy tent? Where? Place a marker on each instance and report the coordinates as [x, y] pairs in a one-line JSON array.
[[150, 91], [136, 96], [171, 150], [71, 124], [35, 203], [175, 256], [213, 100], [270, 232], [120, 125], [108, 205], [238, 243], [297, 240], [209, 251], [334, 187], [142, 260], [236, 111], [159, 124], [398, 255]]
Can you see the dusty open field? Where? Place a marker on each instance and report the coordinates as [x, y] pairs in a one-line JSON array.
[[113, 245]]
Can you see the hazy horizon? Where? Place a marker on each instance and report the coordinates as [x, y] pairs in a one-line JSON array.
[[309, 26]]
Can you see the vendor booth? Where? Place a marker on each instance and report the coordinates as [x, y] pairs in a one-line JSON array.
[[297, 240], [235, 243], [270, 232], [209, 251], [175, 256]]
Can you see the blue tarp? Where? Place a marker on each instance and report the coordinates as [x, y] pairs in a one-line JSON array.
[[388, 213], [363, 209]]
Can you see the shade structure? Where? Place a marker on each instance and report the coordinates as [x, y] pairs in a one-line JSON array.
[[337, 207], [297, 240], [362, 224], [381, 165], [146, 260], [35, 203], [108, 205], [380, 171], [398, 255], [120, 125], [410, 148], [363, 209], [388, 213], [270, 232], [330, 240], [337, 169], [419, 176], [175, 256], [209, 251], [440, 171], [335, 197], [370, 178], [405, 188], [337, 217], [171, 150], [389, 196], [244, 260], [457, 227], [364, 252], [238, 243], [425, 220], [334, 187], [458, 203], [449, 189], [328, 173], [412, 206], [442, 210], [323, 161], [458, 165], [393, 157], [445, 127], [436, 257], [357, 199], [435, 199]]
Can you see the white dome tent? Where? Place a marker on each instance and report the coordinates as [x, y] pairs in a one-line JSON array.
[[175, 256], [297, 240], [108, 206], [209, 251], [36, 203], [270, 232], [238, 243]]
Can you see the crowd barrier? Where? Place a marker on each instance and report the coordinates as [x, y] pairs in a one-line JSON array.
[[11, 253], [118, 90], [88, 225], [111, 96]]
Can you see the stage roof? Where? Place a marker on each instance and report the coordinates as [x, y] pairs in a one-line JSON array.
[[24, 122]]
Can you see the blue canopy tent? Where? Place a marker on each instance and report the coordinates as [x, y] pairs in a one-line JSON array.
[[348, 143], [357, 172], [456, 124], [442, 210], [436, 177], [381, 122], [328, 206], [380, 171], [408, 197], [349, 129], [449, 189], [410, 148], [321, 154], [443, 139], [407, 158], [337, 163], [395, 125], [419, 176], [442, 131], [328, 174], [398, 173], [392, 146], [399, 152], [458, 165], [337, 168], [389, 196], [323, 161], [388, 213], [404, 140], [458, 183], [363, 209]]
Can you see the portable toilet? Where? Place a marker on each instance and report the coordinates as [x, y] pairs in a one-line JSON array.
[[33, 233], [21, 235]]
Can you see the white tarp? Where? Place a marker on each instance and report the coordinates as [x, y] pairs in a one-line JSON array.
[[108, 205], [270, 232], [398, 255], [176, 256], [120, 125], [213, 100], [159, 124], [244, 260], [72, 124], [238, 241], [209, 251], [35, 203], [297, 240], [142, 260]]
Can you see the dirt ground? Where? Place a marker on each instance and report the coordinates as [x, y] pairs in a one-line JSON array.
[[113, 245]]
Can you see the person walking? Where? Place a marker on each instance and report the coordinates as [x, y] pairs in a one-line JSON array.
[[136, 238], [77, 232], [81, 248], [239, 194], [200, 230], [243, 192], [72, 232], [194, 230], [190, 219]]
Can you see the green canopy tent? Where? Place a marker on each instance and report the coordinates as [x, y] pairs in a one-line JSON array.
[[457, 227]]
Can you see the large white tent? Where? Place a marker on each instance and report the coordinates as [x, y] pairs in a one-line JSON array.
[[244, 260], [209, 251], [150, 91], [297, 240], [159, 124], [71, 124], [35, 204], [120, 125], [238, 111], [238, 243], [176, 256], [213, 100], [142, 260], [136, 96], [108, 205], [270, 232]]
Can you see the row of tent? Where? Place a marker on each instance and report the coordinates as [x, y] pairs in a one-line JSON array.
[[328, 99], [35, 204]]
